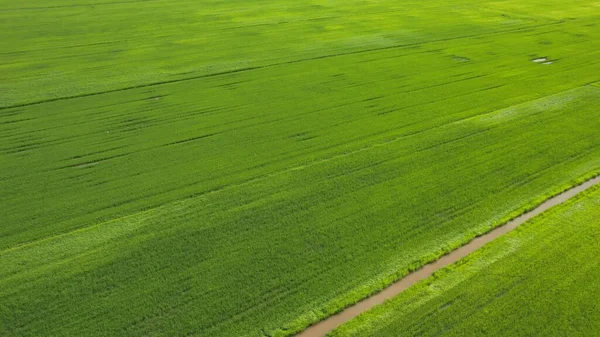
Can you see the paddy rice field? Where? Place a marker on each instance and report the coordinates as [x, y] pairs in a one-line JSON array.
[[249, 168]]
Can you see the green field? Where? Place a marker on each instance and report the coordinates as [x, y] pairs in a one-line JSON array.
[[247, 168], [540, 280]]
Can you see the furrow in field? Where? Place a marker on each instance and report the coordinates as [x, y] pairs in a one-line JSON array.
[[324, 327]]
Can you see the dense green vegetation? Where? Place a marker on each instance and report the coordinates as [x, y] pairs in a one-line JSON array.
[[246, 168], [62, 48], [540, 280]]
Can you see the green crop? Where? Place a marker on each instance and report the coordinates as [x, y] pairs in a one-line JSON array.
[[247, 168], [539, 280]]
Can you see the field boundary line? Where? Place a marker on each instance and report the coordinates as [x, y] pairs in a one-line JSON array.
[[329, 324], [239, 70]]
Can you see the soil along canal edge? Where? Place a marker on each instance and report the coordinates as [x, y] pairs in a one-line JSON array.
[[324, 327]]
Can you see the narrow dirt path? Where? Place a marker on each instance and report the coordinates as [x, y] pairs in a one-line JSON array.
[[322, 328]]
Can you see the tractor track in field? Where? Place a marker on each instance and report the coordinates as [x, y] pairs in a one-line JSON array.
[[329, 324]]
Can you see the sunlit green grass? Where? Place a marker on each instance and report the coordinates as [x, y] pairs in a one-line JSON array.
[[247, 168], [537, 281], [60, 48]]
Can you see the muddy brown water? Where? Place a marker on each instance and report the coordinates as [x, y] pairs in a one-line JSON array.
[[324, 327]]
